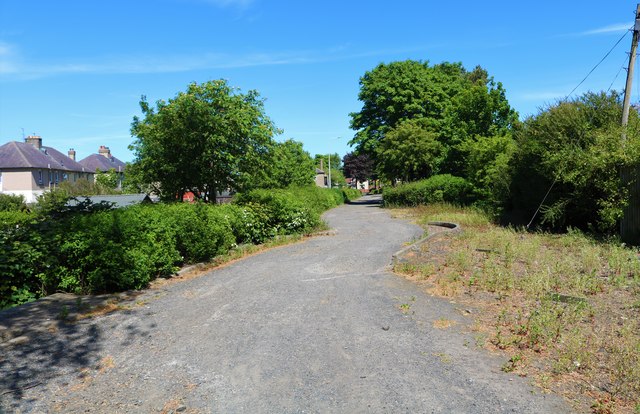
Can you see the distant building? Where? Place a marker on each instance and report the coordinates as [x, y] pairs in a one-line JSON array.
[[103, 161], [29, 168], [362, 186], [322, 180]]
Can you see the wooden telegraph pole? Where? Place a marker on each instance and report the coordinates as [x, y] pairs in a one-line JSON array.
[[632, 63], [630, 223]]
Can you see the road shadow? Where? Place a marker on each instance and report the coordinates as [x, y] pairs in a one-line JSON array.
[[35, 359], [368, 200], [55, 337]]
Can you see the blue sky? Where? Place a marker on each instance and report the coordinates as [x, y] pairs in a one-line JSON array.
[[73, 71]]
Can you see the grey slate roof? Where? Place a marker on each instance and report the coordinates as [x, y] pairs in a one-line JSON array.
[[118, 200], [99, 162], [15, 154]]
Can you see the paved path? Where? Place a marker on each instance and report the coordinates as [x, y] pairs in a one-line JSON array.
[[317, 326]]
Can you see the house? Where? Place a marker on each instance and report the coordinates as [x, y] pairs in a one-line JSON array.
[[321, 177], [362, 186], [29, 169], [104, 162]]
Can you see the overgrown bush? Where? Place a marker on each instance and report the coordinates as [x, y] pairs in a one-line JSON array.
[[15, 218], [23, 261], [350, 194], [574, 151], [291, 210], [10, 202], [436, 189]]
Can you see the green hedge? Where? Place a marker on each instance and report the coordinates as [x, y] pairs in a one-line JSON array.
[[10, 202], [438, 188], [349, 194], [114, 250]]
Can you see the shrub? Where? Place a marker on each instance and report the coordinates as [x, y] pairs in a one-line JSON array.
[[15, 218], [436, 189], [350, 194], [22, 262], [10, 202], [114, 250], [573, 150], [285, 213]]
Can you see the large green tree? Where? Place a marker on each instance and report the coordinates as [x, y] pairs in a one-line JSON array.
[[290, 165], [397, 91], [409, 152], [207, 139], [444, 102]]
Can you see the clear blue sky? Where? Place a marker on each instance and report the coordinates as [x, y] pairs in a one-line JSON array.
[[73, 71]]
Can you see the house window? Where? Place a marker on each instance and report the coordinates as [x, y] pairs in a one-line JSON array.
[[65, 177], [40, 177], [57, 176]]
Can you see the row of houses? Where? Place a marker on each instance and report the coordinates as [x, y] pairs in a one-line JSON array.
[[29, 168]]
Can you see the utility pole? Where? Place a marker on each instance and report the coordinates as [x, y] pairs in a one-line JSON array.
[[329, 170], [630, 223], [632, 63]]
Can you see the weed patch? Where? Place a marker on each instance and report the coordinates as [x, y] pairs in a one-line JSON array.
[[565, 308]]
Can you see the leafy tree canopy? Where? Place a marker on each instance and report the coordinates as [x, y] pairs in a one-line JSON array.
[[358, 166], [207, 139], [108, 179], [290, 165], [336, 161], [451, 104], [409, 151]]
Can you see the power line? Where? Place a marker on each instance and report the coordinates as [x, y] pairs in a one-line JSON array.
[[598, 64], [617, 74], [566, 98]]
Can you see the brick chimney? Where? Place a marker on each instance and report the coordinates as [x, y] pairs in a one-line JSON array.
[[72, 154], [34, 140], [104, 151]]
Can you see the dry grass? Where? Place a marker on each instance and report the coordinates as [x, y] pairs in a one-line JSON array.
[[565, 308], [443, 323]]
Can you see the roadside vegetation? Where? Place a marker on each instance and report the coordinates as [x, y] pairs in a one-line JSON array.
[[440, 132], [92, 248], [564, 308]]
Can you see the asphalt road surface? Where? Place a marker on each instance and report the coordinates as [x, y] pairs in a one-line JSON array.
[[318, 326]]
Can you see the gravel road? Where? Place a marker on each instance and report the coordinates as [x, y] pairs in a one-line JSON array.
[[318, 326]]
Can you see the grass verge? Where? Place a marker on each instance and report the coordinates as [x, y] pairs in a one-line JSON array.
[[565, 309]]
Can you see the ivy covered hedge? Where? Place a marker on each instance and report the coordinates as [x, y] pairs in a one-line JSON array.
[[120, 249]]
